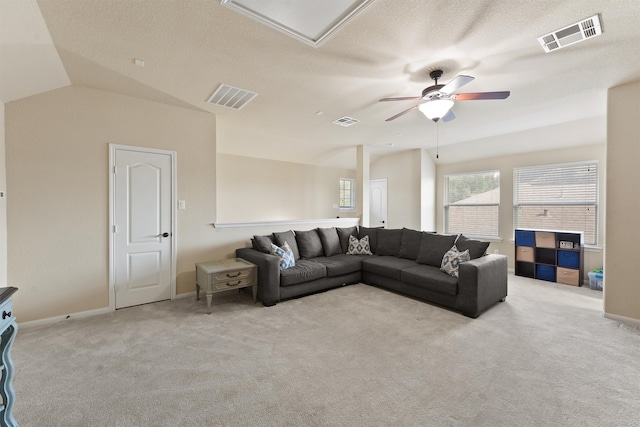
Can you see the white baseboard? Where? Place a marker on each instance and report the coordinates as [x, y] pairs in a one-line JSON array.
[[622, 319], [62, 318]]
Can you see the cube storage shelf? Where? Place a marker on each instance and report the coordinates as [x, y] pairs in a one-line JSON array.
[[551, 255]]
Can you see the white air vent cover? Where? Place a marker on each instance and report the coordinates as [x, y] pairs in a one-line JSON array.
[[231, 97], [571, 34], [345, 121]]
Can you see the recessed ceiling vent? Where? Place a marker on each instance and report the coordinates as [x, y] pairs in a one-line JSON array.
[[231, 97], [345, 121], [571, 34]]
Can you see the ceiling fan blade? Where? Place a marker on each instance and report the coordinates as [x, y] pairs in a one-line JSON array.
[[401, 113], [481, 95], [405, 98], [449, 116], [455, 84]]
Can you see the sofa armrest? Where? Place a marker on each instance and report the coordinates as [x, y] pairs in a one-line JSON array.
[[482, 283], [268, 274]]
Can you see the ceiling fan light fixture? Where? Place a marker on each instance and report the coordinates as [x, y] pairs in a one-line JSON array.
[[436, 109]]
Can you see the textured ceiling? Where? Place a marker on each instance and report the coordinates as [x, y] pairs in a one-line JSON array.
[[190, 47]]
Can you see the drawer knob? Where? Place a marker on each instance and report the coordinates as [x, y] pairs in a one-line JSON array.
[[5, 314], [229, 275], [234, 284]]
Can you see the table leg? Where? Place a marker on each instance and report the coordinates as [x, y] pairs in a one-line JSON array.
[[254, 288], [209, 298], [197, 292]]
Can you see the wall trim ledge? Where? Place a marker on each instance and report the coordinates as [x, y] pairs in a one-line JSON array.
[[623, 319], [56, 319], [338, 222]]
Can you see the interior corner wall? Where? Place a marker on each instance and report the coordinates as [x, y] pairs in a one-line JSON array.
[[57, 158], [621, 282], [427, 192], [258, 190], [3, 203], [404, 187], [505, 165]]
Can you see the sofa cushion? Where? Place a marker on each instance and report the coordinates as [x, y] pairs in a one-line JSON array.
[[262, 243], [285, 255], [387, 266], [309, 244], [359, 247], [303, 271], [452, 259], [477, 248], [330, 241], [433, 247], [373, 236], [430, 278], [389, 241], [410, 243], [341, 264], [290, 238], [343, 234]]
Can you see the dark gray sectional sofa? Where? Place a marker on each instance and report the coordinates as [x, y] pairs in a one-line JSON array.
[[404, 261]]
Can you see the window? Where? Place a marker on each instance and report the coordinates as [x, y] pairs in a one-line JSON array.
[[557, 197], [347, 194], [472, 204]]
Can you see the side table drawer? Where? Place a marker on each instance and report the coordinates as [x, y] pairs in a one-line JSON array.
[[6, 311], [231, 284], [232, 275]]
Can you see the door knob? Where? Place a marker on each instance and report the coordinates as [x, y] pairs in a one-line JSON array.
[[165, 234]]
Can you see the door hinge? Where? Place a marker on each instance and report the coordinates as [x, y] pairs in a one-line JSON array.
[[115, 228], [115, 169]]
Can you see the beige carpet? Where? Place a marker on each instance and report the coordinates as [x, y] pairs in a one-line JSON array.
[[354, 356]]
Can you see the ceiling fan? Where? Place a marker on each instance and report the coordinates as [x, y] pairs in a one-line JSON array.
[[437, 100]]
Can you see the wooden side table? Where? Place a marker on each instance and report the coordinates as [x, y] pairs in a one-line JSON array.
[[223, 275]]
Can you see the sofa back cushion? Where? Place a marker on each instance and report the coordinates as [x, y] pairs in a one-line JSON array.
[[309, 244], [433, 247], [373, 236], [262, 243], [477, 248], [330, 241], [290, 238], [343, 234], [410, 244], [389, 241]]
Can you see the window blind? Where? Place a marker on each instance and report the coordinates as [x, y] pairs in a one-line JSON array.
[[557, 197]]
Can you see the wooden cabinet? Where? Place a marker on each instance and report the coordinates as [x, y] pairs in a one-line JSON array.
[[552, 255]]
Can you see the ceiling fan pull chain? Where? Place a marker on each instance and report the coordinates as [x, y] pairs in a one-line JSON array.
[[437, 140]]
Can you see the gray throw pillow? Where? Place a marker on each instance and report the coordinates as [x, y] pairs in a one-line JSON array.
[[262, 243], [410, 243], [477, 248], [309, 244], [290, 238], [389, 241], [330, 241], [343, 234], [433, 247]]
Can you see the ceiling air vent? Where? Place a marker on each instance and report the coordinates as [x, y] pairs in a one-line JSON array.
[[345, 121], [231, 97], [571, 34]]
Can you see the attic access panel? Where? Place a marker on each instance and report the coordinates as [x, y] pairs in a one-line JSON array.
[[311, 22]]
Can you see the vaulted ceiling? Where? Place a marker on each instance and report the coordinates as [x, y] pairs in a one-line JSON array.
[[191, 47]]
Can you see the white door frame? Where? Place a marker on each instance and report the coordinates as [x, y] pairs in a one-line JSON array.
[[174, 229], [386, 212]]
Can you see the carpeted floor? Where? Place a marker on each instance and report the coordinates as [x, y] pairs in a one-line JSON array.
[[353, 356]]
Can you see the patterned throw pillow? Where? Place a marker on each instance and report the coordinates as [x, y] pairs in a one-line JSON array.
[[284, 253], [359, 247], [452, 260]]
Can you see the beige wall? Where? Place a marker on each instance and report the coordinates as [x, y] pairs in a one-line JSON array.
[[405, 187], [57, 173], [3, 204], [251, 189], [506, 164], [621, 280]]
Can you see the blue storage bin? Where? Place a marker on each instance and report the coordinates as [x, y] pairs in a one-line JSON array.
[[525, 238], [546, 272], [568, 259]]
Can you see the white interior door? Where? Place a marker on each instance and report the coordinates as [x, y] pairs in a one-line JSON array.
[[142, 228], [378, 203]]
